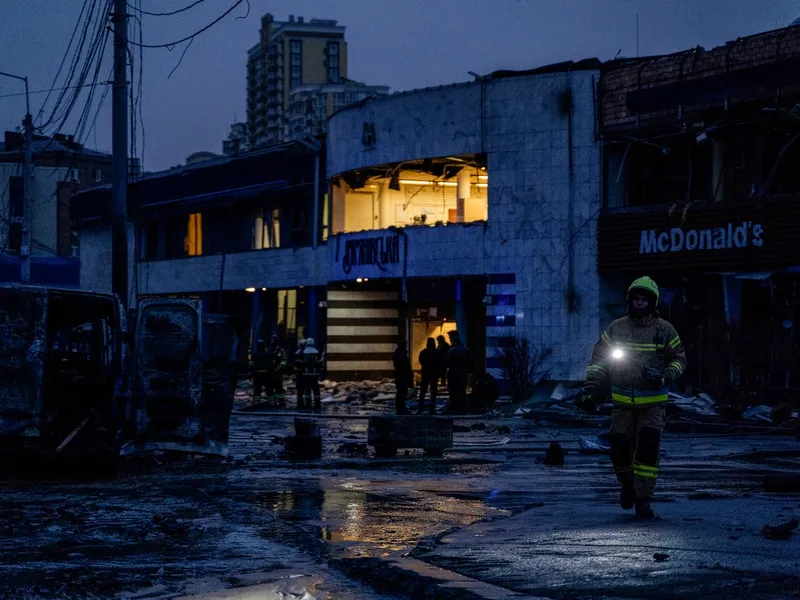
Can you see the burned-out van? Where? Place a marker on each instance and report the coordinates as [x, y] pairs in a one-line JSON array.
[[62, 373], [183, 377], [73, 381]]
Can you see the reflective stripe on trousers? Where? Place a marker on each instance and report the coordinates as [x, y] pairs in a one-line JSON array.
[[630, 396]]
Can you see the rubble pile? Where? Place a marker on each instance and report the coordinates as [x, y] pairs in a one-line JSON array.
[[698, 412], [346, 392]]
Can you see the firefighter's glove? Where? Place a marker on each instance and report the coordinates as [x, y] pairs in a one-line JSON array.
[[590, 400], [586, 404], [655, 375]]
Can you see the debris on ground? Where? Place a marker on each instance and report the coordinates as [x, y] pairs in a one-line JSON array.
[[596, 446], [660, 556], [478, 427], [702, 404], [504, 429], [782, 483], [307, 441], [461, 429], [554, 455], [758, 413], [359, 448], [780, 532], [480, 445]]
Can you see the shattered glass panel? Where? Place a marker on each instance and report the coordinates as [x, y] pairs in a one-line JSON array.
[[169, 338]]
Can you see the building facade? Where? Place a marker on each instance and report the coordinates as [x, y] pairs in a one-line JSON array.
[[701, 193], [469, 207], [60, 167], [492, 189]]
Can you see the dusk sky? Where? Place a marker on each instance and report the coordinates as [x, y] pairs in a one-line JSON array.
[[403, 44]]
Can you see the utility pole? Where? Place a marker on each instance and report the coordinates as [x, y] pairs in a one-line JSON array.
[[119, 132], [27, 183]]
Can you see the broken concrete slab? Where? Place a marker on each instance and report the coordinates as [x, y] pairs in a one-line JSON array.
[[782, 532]]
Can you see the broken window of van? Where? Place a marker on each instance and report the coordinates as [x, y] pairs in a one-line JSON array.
[[422, 192], [168, 377], [169, 338]]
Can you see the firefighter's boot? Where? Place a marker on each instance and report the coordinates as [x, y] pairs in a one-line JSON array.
[[643, 510], [627, 497]]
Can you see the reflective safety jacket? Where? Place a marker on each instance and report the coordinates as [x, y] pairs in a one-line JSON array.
[[625, 351]]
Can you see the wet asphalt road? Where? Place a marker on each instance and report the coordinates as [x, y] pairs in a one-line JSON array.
[[260, 526]]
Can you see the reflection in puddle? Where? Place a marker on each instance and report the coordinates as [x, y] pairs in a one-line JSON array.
[[357, 523]]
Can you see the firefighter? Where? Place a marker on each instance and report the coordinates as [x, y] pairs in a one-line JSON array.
[[276, 361], [298, 372], [311, 368], [429, 360], [637, 359], [459, 365], [260, 370]]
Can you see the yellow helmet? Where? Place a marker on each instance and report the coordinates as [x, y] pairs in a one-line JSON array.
[[647, 284]]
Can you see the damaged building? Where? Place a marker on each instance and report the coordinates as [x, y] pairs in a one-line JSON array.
[[469, 207], [700, 192]]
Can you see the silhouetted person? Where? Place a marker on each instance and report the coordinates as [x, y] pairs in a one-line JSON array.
[[298, 373], [459, 364], [443, 349], [403, 377], [311, 368], [260, 369], [275, 363], [430, 361]]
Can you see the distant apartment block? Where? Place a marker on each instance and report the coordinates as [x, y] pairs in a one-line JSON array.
[[237, 141], [310, 106], [296, 74]]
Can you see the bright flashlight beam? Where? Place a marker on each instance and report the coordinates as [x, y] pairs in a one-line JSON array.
[[617, 354]]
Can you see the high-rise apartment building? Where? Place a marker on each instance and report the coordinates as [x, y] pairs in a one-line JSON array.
[[289, 54]]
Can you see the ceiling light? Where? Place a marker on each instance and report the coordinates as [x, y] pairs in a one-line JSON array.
[[483, 177], [263, 289], [250, 289], [423, 183], [359, 280]]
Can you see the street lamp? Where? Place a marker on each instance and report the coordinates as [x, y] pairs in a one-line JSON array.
[[25, 246]]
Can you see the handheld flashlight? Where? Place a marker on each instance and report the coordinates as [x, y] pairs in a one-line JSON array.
[[617, 354]]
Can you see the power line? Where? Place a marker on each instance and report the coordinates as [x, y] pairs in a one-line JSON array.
[[64, 58], [94, 42], [165, 14], [73, 65], [55, 89], [196, 33]]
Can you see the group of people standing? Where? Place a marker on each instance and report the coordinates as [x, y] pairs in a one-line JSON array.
[[270, 365], [448, 363], [445, 364]]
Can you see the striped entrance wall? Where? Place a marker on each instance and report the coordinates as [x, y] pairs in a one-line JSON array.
[[500, 320], [363, 329]]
